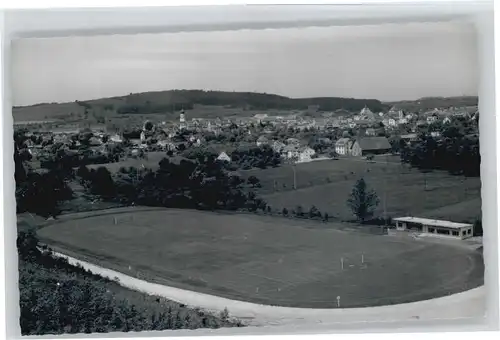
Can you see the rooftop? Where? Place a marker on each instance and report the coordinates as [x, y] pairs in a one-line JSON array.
[[431, 222], [374, 143]]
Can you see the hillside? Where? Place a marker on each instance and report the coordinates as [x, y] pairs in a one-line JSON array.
[[165, 102], [429, 103]]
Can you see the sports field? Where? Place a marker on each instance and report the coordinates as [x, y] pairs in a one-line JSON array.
[[265, 259], [327, 185]]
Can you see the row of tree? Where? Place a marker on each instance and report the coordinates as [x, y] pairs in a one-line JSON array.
[[203, 183], [458, 155]]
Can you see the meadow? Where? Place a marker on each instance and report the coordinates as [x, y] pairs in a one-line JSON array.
[[327, 185], [151, 161], [265, 259]]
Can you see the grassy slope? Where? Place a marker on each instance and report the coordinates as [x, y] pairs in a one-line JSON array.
[[265, 259], [45, 283], [405, 189]]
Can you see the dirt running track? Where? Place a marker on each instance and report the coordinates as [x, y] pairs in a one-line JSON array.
[[469, 304]]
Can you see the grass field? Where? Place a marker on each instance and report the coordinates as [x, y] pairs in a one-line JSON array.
[[266, 260], [327, 185]]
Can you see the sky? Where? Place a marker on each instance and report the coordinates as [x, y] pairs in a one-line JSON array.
[[387, 62]]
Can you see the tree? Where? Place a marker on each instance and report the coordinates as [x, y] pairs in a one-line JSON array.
[[314, 212], [253, 181], [325, 217], [102, 183], [362, 201], [148, 126], [478, 228]]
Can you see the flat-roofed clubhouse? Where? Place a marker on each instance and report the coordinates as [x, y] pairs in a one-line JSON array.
[[434, 227]]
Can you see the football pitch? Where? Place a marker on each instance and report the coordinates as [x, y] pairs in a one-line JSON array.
[[264, 259]]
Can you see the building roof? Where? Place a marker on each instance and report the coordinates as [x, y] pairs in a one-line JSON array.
[[374, 143], [434, 223], [409, 136], [342, 141]]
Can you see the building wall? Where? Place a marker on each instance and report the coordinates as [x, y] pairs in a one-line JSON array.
[[340, 149], [356, 150], [461, 233]]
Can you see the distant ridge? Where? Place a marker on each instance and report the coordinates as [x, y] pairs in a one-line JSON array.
[[429, 103], [223, 103], [174, 100]]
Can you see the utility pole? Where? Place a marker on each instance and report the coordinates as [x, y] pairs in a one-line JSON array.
[[294, 176], [385, 194], [293, 161]]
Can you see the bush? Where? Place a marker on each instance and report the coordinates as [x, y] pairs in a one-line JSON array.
[[314, 212], [299, 211], [56, 298]]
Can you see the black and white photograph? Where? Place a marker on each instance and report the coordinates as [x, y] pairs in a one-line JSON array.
[[255, 178]]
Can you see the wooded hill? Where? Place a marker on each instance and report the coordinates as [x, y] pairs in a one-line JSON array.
[[175, 100]]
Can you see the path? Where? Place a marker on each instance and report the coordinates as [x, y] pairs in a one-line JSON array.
[[468, 304]]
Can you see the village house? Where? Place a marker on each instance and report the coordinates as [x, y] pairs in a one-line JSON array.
[[306, 154], [367, 114], [116, 138], [278, 146], [262, 140], [409, 138], [293, 141], [259, 117], [431, 119], [343, 146], [370, 132], [370, 146], [290, 151], [421, 123], [223, 156]]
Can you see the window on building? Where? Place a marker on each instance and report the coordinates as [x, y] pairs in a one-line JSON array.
[[454, 233], [469, 231], [464, 232], [413, 226], [431, 230], [443, 231]]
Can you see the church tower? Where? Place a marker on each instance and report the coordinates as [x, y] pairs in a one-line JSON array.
[[182, 120]]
